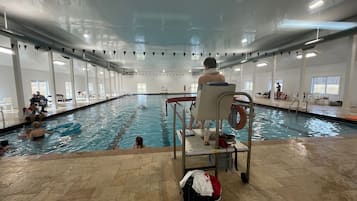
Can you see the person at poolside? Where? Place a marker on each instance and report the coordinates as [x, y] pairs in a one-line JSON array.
[[37, 132], [32, 113], [39, 99], [210, 75], [278, 90], [139, 143]]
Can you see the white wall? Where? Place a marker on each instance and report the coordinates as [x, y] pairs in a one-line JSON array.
[[7, 84], [158, 82], [326, 70]]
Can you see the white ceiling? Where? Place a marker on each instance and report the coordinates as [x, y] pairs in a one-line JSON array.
[[168, 26]]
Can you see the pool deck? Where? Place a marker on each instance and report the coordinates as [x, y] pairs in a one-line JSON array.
[[311, 169]]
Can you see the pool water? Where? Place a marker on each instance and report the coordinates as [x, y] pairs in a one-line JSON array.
[[117, 123]]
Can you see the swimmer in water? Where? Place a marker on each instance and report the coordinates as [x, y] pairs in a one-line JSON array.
[[143, 107], [37, 132]]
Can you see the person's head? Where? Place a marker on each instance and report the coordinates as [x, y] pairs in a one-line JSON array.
[[4, 143], [277, 83], [32, 106], [36, 124], [38, 93], [210, 62], [139, 142]]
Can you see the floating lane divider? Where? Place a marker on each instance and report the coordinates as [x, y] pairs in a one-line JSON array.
[[66, 129], [121, 132], [74, 129]]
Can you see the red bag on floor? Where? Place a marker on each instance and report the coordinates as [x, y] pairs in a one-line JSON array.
[[217, 189]]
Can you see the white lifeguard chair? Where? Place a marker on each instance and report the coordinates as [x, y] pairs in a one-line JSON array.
[[207, 108], [213, 102]]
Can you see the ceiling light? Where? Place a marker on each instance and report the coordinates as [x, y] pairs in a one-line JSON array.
[[243, 61], [83, 68], [101, 72], [314, 41], [6, 50], [86, 35], [220, 72], [304, 24], [315, 4], [237, 69], [259, 65], [136, 71], [189, 71], [299, 56], [60, 63], [244, 40], [310, 54], [163, 70]]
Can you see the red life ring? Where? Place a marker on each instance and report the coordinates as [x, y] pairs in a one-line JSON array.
[[242, 116]]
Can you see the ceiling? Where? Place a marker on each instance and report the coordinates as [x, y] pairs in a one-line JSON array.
[[166, 27]]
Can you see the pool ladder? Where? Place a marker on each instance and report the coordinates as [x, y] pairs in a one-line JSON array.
[[3, 118], [296, 100]]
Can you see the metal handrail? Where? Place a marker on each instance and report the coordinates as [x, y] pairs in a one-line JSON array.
[[296, 100], [2, 116]]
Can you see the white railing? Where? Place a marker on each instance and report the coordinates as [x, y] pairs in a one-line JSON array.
[[3, 118]]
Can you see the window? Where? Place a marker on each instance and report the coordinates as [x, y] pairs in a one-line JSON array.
[[91, 89], [41, 86], [141, 88], [68, 87], [101, 90], [325, 85], [194, 87], [248, 85]]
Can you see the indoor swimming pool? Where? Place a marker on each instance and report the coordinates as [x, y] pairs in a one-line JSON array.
[[117, 123]]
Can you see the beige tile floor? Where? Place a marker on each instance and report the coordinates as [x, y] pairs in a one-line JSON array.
[[325, 110], [303, 169]]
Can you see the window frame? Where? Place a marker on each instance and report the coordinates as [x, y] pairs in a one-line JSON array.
[[325, 84]]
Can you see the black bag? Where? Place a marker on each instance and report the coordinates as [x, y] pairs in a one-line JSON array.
[[189, 194]]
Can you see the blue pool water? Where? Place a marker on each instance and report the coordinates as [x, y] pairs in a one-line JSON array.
[[117, 123]]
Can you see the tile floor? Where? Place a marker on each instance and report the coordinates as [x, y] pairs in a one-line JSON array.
[[303, 169]]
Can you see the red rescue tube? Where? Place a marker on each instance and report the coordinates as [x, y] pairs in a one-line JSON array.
[[242, 116]]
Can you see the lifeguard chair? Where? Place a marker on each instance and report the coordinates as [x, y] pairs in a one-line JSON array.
[[213, 102]]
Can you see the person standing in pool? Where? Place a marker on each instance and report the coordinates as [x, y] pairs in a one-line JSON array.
[[4, 146], [37, 132], [139, 143]]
